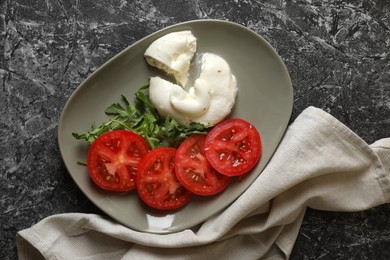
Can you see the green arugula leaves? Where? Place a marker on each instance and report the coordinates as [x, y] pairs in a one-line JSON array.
[[142, 118]]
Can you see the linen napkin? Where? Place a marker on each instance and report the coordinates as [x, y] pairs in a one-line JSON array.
[[320, 163]]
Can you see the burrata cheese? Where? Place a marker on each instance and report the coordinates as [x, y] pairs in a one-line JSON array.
[[173, 53], [208, 102]]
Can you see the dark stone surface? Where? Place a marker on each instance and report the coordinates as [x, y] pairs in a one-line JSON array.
[[337, 53]]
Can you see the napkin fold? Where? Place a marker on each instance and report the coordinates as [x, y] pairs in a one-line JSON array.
[[320, 164]]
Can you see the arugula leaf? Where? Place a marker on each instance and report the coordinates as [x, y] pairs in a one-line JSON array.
[[142, 117]]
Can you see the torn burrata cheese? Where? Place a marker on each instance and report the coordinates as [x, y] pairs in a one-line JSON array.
[[208, 101], [173, 53]]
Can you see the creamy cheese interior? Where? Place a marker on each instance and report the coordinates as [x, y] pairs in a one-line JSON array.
[[209, 101]]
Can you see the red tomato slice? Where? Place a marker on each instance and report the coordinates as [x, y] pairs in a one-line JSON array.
[[113, 159], [194, 171], [233, 147], [156, 181]]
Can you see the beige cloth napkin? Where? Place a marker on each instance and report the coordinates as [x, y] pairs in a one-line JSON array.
[[320, 163]]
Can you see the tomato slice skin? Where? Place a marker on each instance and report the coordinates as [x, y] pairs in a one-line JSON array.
[[233, 147], [194, 171], [156, 181], [113, 159]]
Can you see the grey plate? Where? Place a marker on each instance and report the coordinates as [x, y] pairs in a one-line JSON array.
[[265, 99]]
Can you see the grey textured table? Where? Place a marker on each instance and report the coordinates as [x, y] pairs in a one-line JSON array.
[[337, 53]]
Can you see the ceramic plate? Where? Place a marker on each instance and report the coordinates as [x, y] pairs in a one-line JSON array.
[[265, 99]]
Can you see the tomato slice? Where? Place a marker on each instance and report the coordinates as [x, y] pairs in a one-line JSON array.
[[194, 171], [113, 159], [156, 181], [233, 147]]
